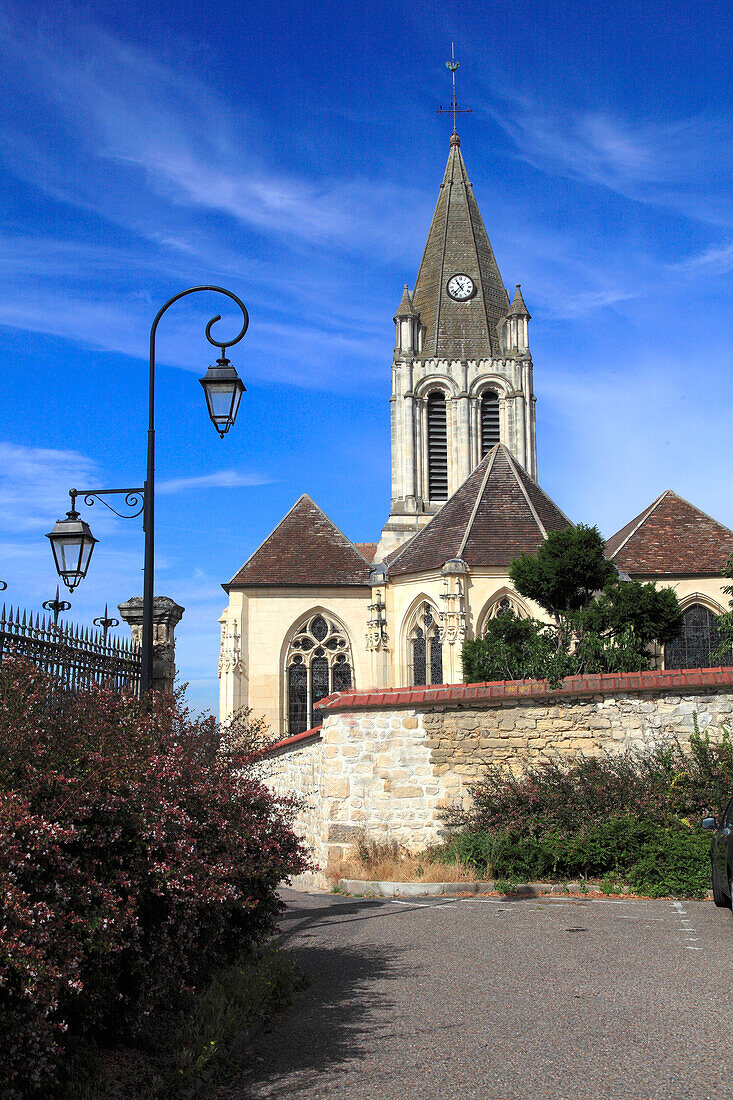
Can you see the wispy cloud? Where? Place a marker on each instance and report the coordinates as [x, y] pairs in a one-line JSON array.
[[682, 165], [716, 261], [35, 483], [222, 479]]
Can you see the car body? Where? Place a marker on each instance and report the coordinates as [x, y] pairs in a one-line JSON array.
[[721, 856]]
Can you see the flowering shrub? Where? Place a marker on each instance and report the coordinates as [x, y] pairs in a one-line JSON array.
[[136, 852]]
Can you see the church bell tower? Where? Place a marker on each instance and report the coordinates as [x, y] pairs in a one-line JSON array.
[[462, 369]]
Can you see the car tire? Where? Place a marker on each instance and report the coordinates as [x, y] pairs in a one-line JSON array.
[[721, 899]]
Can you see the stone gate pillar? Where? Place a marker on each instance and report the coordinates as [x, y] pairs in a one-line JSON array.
[[166, 615]]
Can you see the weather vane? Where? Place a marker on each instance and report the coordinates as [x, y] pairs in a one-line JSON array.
[[454, 109]]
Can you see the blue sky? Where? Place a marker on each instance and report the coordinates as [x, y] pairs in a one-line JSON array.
[[293, 153]]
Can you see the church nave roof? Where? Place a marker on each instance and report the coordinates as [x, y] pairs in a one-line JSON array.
[[671, 536], [497, 513], [306, 548]]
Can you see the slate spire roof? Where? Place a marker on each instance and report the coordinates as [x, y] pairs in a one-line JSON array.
[[518, 308], [458, 243], [305, 548], [496, 514], [671, 536], [405, 308]]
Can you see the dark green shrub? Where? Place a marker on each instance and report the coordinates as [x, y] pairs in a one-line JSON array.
[[653, 859], [515, 649], [629, 816]]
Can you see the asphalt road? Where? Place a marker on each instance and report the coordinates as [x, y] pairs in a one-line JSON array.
[[481, 998]]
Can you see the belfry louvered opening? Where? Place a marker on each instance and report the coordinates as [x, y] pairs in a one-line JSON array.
[[437, 447], [489, 421]]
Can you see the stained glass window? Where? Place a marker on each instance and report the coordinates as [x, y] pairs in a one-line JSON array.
[[426, 650], [341, 674], [436, 660], [297, 699], [318, 663], [419, 662], [695, 644]]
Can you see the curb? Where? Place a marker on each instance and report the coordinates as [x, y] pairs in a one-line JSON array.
[[438, 889], [359, 888]]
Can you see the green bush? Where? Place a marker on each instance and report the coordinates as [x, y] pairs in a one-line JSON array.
[[630, 816], [653, 859], [515, 649]]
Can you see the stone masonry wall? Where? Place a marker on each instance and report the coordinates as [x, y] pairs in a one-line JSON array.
[[390, 764], [298, 770]]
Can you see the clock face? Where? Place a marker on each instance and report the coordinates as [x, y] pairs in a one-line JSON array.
[[461, 287]]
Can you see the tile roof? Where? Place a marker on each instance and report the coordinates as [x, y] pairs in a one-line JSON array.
[[305, 548], [368, 549], [496, 514], [458, 243], [671, 536]]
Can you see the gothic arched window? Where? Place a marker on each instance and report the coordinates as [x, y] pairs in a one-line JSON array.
[[503, 604], [489, 421], [437, 447], [318, 663], [425, 649], [695, 644]]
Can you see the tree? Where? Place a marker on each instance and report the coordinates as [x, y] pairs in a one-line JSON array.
[[601, 623], [514, 649], [563, 574]]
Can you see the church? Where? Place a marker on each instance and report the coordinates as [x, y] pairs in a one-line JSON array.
[[311, 613]]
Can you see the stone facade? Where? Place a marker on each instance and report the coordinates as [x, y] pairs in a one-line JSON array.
[[389, 764]]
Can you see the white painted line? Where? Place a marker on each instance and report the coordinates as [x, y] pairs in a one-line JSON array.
[[486, 901], [422, 904], [693, 949]]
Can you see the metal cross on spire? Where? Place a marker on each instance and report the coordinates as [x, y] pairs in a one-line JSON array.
[[454, 109]]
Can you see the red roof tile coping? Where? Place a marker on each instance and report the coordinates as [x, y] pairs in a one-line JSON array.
[[286, 743], [494, 693]]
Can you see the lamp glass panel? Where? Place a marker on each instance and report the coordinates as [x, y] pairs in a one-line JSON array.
[[219, 396]]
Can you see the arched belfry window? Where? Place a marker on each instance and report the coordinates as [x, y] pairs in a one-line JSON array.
[[425, 650], [696, 642], [489, 421], [318, 663], [437, 447]]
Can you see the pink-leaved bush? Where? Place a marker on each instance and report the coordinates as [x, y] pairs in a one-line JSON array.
[[136, 852]]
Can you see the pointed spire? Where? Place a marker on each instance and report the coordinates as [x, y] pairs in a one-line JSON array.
[[458, 244], [405, 308], [518, 308]]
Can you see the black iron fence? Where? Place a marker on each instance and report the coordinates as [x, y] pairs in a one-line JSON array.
[[74, 656]]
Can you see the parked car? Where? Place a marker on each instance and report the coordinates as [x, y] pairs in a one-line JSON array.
[[721, 856]]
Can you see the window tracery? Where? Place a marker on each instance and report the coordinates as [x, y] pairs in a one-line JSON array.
[[504, 604], [318, 663], [697, 641], [425, 649]]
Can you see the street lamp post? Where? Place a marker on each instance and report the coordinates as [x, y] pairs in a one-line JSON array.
[[71, 539]]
